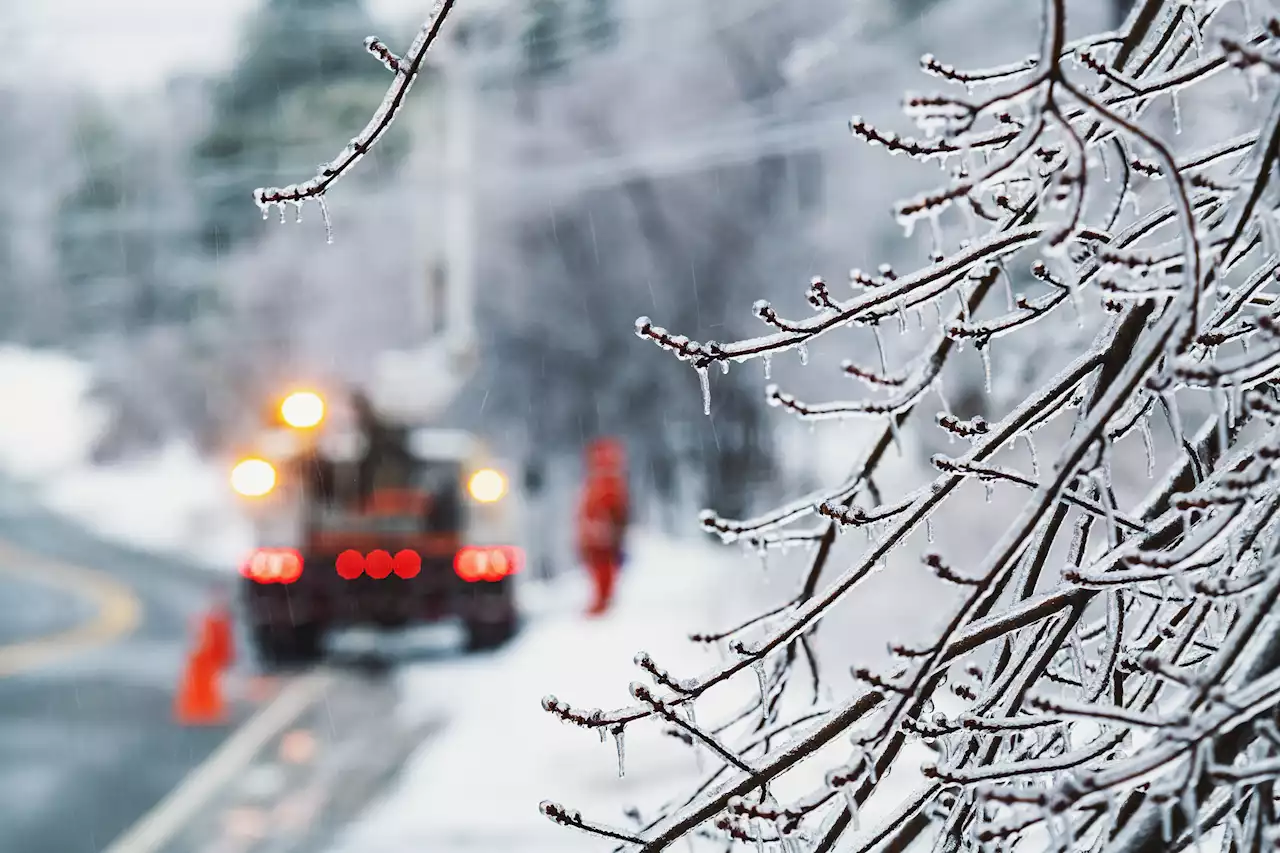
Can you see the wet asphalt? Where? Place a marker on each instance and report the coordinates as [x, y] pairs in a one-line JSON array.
[[88, 742]]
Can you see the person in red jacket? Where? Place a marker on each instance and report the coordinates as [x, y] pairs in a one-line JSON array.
[[602, 519]]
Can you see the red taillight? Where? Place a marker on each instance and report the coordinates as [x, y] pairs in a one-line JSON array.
[[487, 564], [273, 565]]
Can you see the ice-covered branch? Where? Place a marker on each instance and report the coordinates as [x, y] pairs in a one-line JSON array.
[[406, 70]]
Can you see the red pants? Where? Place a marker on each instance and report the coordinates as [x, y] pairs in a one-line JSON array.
[[603, 566]]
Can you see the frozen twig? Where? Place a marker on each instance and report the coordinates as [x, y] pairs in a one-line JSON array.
[[406, 70]]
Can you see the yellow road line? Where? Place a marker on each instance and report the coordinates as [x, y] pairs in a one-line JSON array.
[[118, 610]]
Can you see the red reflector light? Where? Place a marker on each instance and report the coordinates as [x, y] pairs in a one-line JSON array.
[[378, 564], [408, 564], [273, 565], [487, 564], [350, 565]]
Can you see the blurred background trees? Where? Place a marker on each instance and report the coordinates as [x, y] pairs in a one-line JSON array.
[[631, 157]]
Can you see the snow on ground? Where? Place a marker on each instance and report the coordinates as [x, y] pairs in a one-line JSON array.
[[477, 785], [170, 501]]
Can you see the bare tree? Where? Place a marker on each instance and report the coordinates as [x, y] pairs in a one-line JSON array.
[[1116, 688]]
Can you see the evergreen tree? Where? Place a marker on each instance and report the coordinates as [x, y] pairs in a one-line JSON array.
[[107, 263], [298, 86], [544, 35], [599, 24]]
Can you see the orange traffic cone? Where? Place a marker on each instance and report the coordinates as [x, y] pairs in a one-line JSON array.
[[218, 627], [199, 701]]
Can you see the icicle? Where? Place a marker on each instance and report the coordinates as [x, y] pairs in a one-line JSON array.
[[280, 211], [1175, 419], [935, 233], [851, 803], [928, 529], [920, 318], [1106, 167], [989, 489], [328, 222], [942, 398], [1177, 112], [604, 734], [803, 352], [706, 389], [692, 716], [884, 363], [1145, 428], [1035, 458], [902, 316], [724, 367], [984, 350], [757, 666], [618, 740], [1054, 830], [768, 365], [1223, 431], [897, 433]]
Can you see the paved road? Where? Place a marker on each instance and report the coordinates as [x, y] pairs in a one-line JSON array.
[[91, 643]]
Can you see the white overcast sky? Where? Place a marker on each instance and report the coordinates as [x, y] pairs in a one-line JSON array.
[[116, 45]]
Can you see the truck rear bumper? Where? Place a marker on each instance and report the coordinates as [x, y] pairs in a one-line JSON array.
[[391, 603]]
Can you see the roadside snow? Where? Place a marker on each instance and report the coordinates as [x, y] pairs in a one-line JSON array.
[[477, 785], [170, 501]]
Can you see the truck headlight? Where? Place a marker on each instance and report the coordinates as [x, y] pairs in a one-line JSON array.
[[253, 478], [487, 485]]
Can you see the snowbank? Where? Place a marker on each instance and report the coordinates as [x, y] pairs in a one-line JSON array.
[[477, 785], [170, 501]]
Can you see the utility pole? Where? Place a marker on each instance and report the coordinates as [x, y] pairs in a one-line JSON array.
[[421, 382], [460, 206]]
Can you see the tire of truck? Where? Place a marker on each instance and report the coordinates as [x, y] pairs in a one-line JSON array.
[[486, 636], [279, 646]]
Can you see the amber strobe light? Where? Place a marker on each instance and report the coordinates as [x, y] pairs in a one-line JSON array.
[[302, 409], [487, 485], [253, 478]]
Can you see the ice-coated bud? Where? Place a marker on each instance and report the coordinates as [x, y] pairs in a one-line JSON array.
[[707, 518], [761, 307], [548, 808], [550, 703], [643, 660], [639, 691], [643, 325]]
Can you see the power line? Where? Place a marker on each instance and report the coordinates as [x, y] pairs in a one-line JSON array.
[[813, 135]]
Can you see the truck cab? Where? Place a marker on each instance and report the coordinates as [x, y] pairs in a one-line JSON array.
[[364, 522]]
